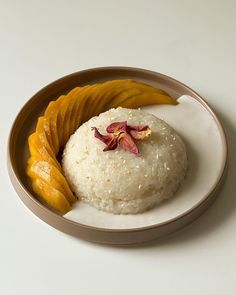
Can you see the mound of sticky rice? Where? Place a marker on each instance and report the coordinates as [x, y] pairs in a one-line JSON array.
[[118, 181]]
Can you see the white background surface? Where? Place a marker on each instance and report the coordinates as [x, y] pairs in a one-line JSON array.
[[193, 41]]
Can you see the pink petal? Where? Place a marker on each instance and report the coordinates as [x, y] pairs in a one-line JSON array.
[[110, 141], [127, 143], [112, 145], [117, 127], [139, 128], [139, 135]]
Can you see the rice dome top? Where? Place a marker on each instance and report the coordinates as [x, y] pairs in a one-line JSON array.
[[120, 181]]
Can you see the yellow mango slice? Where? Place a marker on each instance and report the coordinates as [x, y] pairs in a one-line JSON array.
[[51, 116], [63, 116], [50, 195], [42, 136], [60, 117], [51, 175], [38, 151]]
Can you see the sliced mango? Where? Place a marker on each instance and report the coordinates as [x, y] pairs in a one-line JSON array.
[[51, 195], [52, 176]]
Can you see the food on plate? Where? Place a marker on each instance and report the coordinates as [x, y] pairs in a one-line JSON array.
[[62, 118], [125, 181]]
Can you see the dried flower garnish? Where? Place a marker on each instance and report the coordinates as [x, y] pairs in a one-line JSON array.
[[119, 133]]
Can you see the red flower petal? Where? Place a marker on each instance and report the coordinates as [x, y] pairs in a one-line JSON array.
[[127, 143], [112, 145], [139, 132], [109, 139], [139, 135], [139, 128], [117, 127]]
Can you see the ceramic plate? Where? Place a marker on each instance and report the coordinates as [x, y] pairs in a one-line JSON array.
[[193, 119]]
